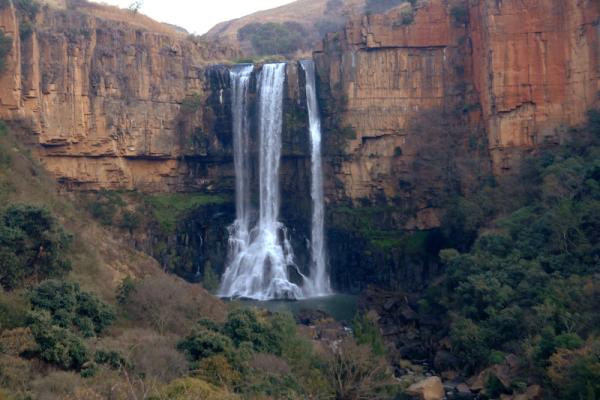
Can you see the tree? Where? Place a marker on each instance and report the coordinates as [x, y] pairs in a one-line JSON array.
[[136, 6], [32, 246]]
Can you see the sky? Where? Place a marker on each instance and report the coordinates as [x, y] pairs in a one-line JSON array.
[[198, 16]]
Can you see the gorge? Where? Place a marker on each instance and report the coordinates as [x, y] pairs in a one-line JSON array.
[[437, 159]]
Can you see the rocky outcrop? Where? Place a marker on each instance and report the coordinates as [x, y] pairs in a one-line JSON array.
[[520, 71], [381, 73], [104, 98], [428, 389], [536, 68]]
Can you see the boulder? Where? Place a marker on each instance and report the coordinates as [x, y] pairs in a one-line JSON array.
[[463, 391], [427, 389]]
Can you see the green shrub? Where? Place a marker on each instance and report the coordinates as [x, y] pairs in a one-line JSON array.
[[130, 221], [32, 246], [203, 343], [71, 308], [56, 345], [210, 280], [125, 289], [6, 43], [367, 332], [460, 14], [274, 38]]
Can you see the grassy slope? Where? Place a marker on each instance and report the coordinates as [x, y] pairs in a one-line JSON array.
[[117, 14], [305, 12], [100, 259]]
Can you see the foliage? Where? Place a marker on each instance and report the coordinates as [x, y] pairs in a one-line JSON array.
[[105, 206], [192, 389], [6, 43], [459, 14], [367, 332], [56, 344], [71, 308], [575, 373], [125, 290], [191, 104], [130, 220], [210, 280], [275, 38], [167, 208], [528, 285], [32, 246], [167, 304], [358, 374]]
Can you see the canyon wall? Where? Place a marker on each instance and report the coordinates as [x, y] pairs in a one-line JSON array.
[[430, 100], [104, 99], [536, 69], [418, 103], [522, 72]]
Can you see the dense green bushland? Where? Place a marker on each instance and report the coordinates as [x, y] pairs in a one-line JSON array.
[[256, 353], [274, 38], [33, 246], [524, 279]]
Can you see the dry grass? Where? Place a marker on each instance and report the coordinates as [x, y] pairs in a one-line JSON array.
[[114, 13], [305, 12], [100, 259]]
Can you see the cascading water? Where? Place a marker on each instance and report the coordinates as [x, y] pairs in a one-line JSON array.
[[259, 258], [318, 282]]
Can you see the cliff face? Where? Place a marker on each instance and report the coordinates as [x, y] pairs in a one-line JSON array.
[[425, 101], [536, 68], [522, 71], [104, 98], [417, 103], [381, 74]]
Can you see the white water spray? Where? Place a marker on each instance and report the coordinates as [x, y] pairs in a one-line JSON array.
[[318, 282], [260, 258]]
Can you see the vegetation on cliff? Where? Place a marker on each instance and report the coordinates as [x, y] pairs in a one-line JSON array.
[[525, 281]]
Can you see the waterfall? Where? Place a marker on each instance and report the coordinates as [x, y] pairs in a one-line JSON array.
[[318, 282], [259, 258]]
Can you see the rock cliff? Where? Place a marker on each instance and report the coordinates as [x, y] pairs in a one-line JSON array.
[[425, 100], [521, 72], [104, 98]]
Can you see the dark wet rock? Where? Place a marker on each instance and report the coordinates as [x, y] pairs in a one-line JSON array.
[[312, 317], [444, 360]]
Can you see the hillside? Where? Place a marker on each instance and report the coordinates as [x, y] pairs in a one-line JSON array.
[[116, 14], [316, 16]]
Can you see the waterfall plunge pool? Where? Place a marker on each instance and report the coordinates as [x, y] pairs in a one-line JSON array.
[[342, 307]]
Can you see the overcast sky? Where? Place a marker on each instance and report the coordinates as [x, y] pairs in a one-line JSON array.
[[198, 16]]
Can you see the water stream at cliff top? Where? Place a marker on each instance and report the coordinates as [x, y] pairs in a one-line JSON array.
[[318, 281], [260, 257]]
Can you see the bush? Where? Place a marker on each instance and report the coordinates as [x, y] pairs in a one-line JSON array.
[[203, 343], [210, 280], [32, 246], [367, 332], [56, 345], [70, 308], [357, 374], [169, 304], [273, 38], [193, 389], [460, 14], [6, 43]]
